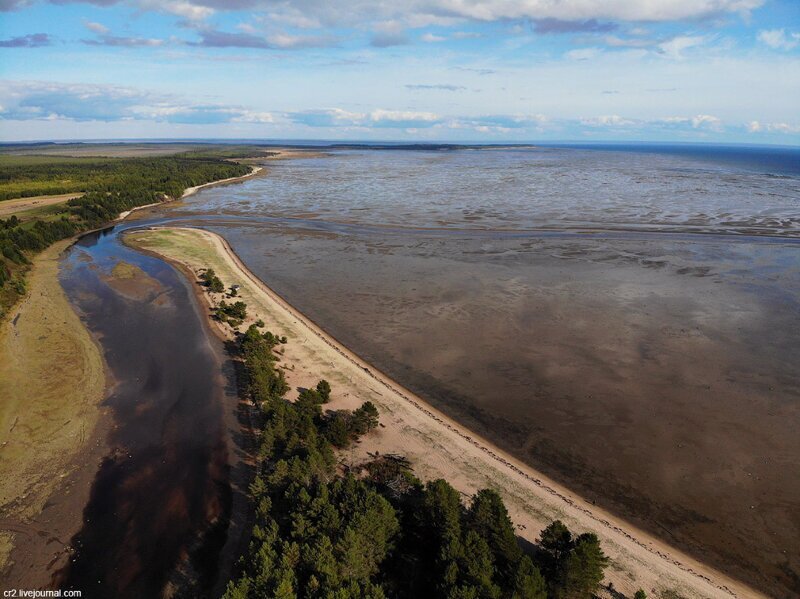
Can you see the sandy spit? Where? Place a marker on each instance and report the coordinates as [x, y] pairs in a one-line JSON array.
[[437, 446]]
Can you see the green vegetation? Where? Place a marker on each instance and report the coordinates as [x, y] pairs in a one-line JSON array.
[[212, 281], [110, 186], [25, 176], [228, 152], [234, 314], [343, 427], [377, 531]]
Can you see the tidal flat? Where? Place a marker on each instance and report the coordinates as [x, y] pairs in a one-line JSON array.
[[652, 371]]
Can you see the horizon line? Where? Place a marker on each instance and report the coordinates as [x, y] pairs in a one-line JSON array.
[[372, 142]]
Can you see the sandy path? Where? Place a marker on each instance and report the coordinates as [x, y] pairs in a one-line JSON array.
[[9, 207], [436, 445]]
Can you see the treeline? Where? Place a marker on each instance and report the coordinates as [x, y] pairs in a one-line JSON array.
[[110, 186], [377, 531], [25, 176]]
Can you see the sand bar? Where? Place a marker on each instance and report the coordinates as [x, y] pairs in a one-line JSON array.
[[436, 445]]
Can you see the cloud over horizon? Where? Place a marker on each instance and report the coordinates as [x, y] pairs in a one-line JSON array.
[[523, 69], [349, 11], [41, 101]]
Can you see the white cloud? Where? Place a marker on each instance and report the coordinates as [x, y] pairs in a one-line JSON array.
[[612, 120], [466, 35], [96, 27], [432, 38], [754, 127], [287, 42], [81, 103], [779, 39], [422, 13], [293, 18], [582, 53], [629, 10], [389, 33], [675, 47], [629, 42], [783, 128], [247, 116], [381, 115], [706, 121], [181, 8], [700, 121], [675, 120]]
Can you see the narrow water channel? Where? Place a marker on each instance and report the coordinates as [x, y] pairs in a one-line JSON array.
[[160, 504]]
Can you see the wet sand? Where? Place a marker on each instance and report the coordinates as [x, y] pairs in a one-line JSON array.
[[437, 445]]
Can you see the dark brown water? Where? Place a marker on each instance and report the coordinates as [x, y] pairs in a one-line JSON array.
[[655, 373], [161, 501]]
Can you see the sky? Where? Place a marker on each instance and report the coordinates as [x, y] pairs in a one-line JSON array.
[[488, 71]]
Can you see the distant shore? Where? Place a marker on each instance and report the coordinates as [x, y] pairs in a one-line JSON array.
[[437, 446], [193, 190]]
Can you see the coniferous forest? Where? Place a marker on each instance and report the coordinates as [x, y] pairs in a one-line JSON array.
[[376, 530]]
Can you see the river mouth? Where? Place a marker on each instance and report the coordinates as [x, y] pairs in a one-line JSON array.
[[161, 501]]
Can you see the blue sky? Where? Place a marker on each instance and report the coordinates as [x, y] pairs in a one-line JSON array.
[[430, 70]]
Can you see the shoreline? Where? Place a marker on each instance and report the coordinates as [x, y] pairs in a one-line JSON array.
[[641, 559], [190, 191], [193, 190]]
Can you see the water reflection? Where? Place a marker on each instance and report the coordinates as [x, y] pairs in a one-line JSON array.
[[160, 502]]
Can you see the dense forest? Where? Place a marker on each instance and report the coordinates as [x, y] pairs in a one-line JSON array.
[[376, 530], [109, 185]]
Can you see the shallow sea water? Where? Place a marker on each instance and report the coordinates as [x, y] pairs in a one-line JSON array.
[[627, 322]]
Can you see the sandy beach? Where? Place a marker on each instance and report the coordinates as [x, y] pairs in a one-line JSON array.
[[436, 445]]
